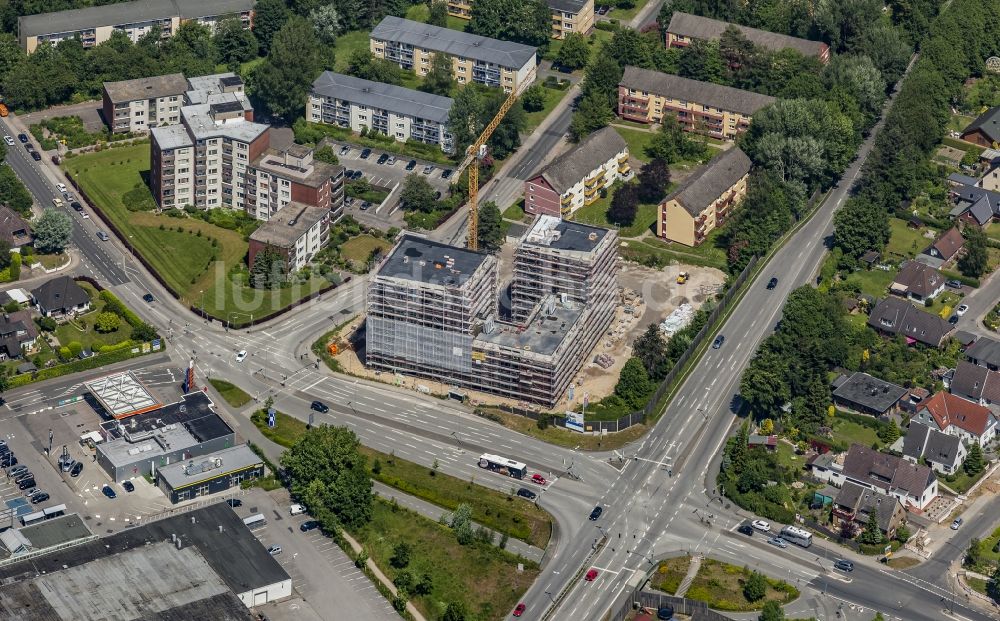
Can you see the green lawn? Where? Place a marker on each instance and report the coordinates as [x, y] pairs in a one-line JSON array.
[[81, 328], [720, 585], [873, 282], [993, 231], [552, 97], [347, 44], [670, 573], [233, 394], [637, 141], [515, 212], [986, 547], [184, 259], [420, 13], [850, 432], [625, 15], [905, 242], [962, 481], [597, 213], [657, 251], [359, 249], [958, 122]]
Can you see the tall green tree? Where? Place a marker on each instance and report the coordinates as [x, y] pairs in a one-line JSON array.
[[575, 52], [592, 113], [973, 554], [52, 231], [326, 22], [654, 178], [269, 16], [284, 79], [363, 64], [417, 194], [651, 348], [974, 463], [13, 193], [268, 269], [771, 612], [438, 14], [522, 21], [633, 384], [624, 205], [975, 258], [438, 80], [702, 61], [672, 144], [763, 386], [489, 228], [331, 456], [872, 534], [755, 587], [235, 45], [860, 226]]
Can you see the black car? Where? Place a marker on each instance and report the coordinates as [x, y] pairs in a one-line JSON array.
[[308, 525], [719, 340], [110, 493], [524, 492], [843, 565], [77, 469], [128, 486], [4, 449], [446, 174], [26, 483], [365, 206], [411, 164], [8, 460], [39, 497], [36, 156], [149, 298], [357, 175], [365, 153], [596, 513], [319, 406], [382, 158], [76, 205], [771, 284], [234, 502], [953, 319], [23, 138], [746, 529], [349, 173]]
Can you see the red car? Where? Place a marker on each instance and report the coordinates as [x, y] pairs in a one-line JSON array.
[[537, 478], [519, 610], [591, 575]]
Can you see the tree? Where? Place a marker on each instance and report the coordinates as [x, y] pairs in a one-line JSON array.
[[363, 64], [438, 80], [473, 107], [767, 426], [417, 194], [331, 455], [268, 269], [872, 534], [4, 254], [624, 205], [400, 555], [888, 432], [848, 529], [602, 78], [592, 113], [489, 230], [860, 80], [284, 79], [993, 586], [13, 193], [533, 98], [461, 523], [235, 45], [575, 52], [860, 226], [975, 260], [973, 554], [755, 587], [326, 154], [771, 612], [268, 18], [52, 231], [763, 386], [672, 144], [521, 21], [438, 14], [633, 384], [974, 463], [651, 349], [455, 612], [326, 22], [107, 322], [144, 332], [702, 61], [654, 177]]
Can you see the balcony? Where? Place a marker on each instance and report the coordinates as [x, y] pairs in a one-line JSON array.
[[624, 168], [566, 200], [598, 178]]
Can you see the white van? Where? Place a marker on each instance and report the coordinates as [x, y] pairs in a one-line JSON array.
[[297, 509]]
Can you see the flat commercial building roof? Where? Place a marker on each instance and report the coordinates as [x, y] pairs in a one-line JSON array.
[[291, 222], [283, 164], [121, 394], [424, 260], [453, 42], [194, 471], [56, 531], [403, 101]]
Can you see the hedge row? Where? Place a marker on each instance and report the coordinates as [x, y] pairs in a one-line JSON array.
[[103, 358], [114, 305]]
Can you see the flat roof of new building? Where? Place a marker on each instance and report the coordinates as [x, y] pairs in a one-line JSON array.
[[453, 42], [202, 87], [146, 88], [423, 260], [404, 101], [125, 13], [121, 394], [291, 222], [207, 467], [56, 531], [558, 234], [201, 124], [543, 335]]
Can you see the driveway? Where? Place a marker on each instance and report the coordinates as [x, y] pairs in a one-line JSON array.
[[88, 111]]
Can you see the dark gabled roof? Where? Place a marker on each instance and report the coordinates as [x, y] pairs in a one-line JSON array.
[[13, 228], [885, 508], [870, 392], [961, 179], [398, 99], [949, 243], [122, 13], [709, 182], [975, 382], [887, 472], [897, 316], [705, 93], [697, 27], [850, 495], [931, 444], [59, 293], [575, 165], [983, 204], [567, 6], [453, 42], [918, 278], [988, 123], [985, 350]]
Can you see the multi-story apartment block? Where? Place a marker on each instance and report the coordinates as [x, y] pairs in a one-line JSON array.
[[142, 104], [567, 15], [705, 199], [685, 28], [576, 178], [402, 113], [723, 112], [276, 178], [215, 88], [298, 232], [482, 60], [94, 25]]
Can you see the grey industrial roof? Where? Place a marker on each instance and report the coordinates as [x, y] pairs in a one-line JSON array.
[[705, 93], [404, 101], [573, 166], [125, 13], [697, 27], [121, 394], [453, 42], [56, 531], [543, 334], [200, 124], [290, 223], [708, 183], [988, 122], [424, 260], [193, 471], [558, 234], [870, 392], [986, 351], [202, 88], [146, 88]]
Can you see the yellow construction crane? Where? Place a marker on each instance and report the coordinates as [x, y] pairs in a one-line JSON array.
[[476, 152]]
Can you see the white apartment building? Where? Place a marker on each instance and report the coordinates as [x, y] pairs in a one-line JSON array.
[[142, 104], [298, 232], [277, 178], [403, 113]]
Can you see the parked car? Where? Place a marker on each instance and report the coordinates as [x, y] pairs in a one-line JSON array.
[[761, 525], [308, 525], [344, 150], [8, 460], [953, 319], [719, 340], [843, 565], [524, 492], [61, 186], [519, 610], [274, 550], [428, 169], [771, 284], [57, 202], [39, 497], [76, 205], [447, 173], [956, 524], [962, 309], [319, 406], [26, 483], [241, 355], [382, 159], [411, 164], [24, 476], [77, 469], [537, 478], [23, 138], [349, 173], [17, 470], [357, 175], [234, 502], [596, 513], [107, 491], [954, 284], [148, 298], [365, 153], [68, 464], [365, 206], [129, 487], [591, 575], [391, 160], [29, 147], [778, 541], [31, 492], [35, 155], [746, 529]]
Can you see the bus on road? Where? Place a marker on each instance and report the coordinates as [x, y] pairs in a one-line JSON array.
[[798, 536], [503, 465]]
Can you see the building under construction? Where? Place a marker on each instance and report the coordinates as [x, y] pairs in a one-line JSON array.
[[432, 311]]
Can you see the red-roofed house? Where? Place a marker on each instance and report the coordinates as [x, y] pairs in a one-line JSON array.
[[954, 415]]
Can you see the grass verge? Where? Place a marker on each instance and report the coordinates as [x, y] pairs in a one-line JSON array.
[[670, 573], [232, 393], [720, 585]]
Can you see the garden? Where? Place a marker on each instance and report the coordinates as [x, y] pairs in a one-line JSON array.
[[723, 586], [70, 131]]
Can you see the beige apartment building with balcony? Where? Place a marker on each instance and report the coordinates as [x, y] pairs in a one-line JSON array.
[[722, 112], [567, 15], [412, 45], [142, 104]]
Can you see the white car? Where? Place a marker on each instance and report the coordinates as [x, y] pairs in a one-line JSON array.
[[241, 355], [761, 525], [961, 310], [274, 550], [9, 141], [62, 187]]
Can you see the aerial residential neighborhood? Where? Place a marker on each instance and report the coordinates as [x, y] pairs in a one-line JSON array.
[[455, 310]]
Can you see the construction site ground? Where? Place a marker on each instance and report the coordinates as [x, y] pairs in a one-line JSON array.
[[652, 293]]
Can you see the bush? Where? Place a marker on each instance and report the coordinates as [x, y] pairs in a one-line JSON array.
[[107, 322], [15, 266], [47, 324]]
